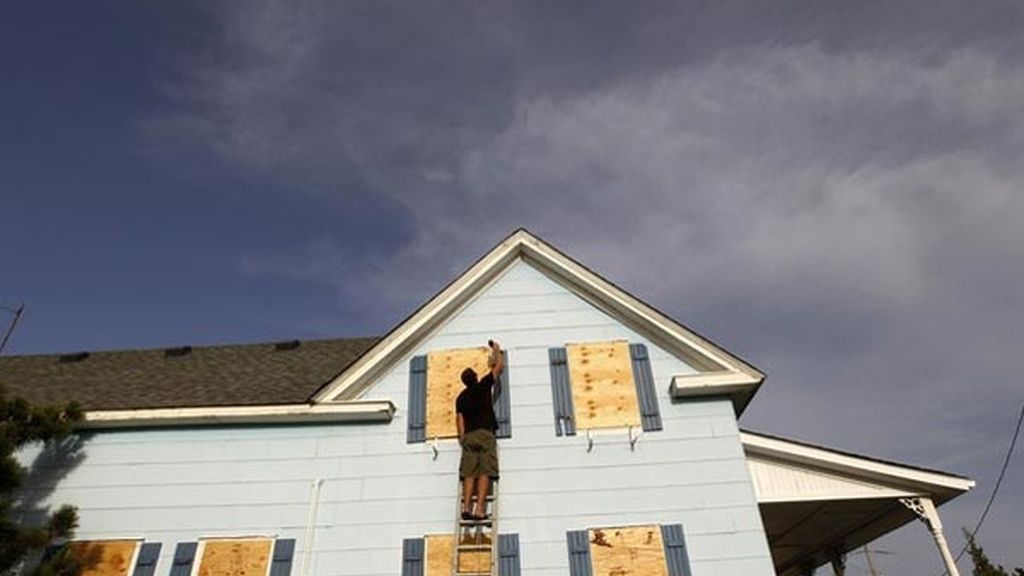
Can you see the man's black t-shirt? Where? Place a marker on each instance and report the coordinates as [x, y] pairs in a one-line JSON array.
[[477, 407]]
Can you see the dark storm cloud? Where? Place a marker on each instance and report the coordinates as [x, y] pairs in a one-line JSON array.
[[831, 189]]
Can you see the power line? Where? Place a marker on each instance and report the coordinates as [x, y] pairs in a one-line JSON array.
[[10, 329], [995, 489], [870, 560]]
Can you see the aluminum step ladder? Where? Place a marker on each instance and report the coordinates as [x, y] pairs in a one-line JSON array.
[[475, 536]]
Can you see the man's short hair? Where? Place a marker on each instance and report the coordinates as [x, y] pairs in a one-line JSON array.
[[469, 377]]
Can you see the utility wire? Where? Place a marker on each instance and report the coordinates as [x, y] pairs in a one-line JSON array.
[[10, 329], [995, 489], [870, 561]]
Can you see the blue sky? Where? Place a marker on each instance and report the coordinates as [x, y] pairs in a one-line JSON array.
[[831, 190], [115, 238]]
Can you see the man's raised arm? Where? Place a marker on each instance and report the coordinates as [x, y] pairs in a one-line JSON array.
[[496, 360]]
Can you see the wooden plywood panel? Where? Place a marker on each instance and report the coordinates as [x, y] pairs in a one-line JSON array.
[[241, 557], [439, 556], [444, 383], [603, 392], [103, 558], [628, 551]]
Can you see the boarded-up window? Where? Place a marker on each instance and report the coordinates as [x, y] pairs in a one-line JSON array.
[[628, 551], [444, 383], [603, 391], [103, 557], [440, 550], [235, 557]]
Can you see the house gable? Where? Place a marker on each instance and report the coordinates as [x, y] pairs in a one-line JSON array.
[[527, 312], [702, 356]]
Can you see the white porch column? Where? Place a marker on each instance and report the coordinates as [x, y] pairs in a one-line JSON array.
[[924, 508]]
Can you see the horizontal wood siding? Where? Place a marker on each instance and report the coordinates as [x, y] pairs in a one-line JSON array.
[[179, 485]]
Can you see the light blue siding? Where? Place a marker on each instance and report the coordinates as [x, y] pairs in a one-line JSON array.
[[180, 485]]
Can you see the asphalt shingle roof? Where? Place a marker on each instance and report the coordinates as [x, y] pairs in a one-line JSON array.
[[233, 375]]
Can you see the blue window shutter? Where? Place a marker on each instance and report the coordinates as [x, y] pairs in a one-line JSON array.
[[417, 400], [561, 392], [502, 407], [149, 553], [508, 555], [284, 550], [184, 555], [646, 393], [579, 553], [412, 557], [675, 550]]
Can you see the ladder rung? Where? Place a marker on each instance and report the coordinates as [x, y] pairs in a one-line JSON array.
[[487, 522], [475, 546]]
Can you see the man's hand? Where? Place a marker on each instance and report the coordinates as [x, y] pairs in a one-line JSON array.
[[496, 361]]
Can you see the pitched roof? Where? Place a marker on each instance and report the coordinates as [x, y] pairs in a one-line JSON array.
[[769, 441], [232, 375], [340, 370]]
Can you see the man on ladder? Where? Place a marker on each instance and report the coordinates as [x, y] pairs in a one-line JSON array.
[[474, 410]]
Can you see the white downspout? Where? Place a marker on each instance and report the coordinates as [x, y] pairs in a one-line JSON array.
[[307, 541]]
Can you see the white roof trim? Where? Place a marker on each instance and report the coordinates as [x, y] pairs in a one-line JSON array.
[[358, 411], [894, 476], [778, 481], [739, 387], [675, 338]]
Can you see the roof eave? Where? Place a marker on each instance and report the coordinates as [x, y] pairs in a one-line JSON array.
[[941, 485], [738, 387], [364, 411]]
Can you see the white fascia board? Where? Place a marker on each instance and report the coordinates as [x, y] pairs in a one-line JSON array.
[[648, 320], [341, 412], [674, 337], [738, 386], [899, 476], [891, 494]]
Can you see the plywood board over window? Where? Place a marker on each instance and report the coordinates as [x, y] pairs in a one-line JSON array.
[[628, 551], [235, 557], [103, 557], [444, 383], [603, 391], [439, 556]]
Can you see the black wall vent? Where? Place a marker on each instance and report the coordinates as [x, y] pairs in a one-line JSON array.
[[287, 345], [177, 352], [76, 357]]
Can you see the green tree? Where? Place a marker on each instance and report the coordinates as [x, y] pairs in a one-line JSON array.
[[21, 424], [982, 565]]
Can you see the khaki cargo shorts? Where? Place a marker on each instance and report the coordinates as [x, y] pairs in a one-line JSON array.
[[479, 454]]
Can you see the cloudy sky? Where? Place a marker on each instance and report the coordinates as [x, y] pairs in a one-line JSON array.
[[831, 189]]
